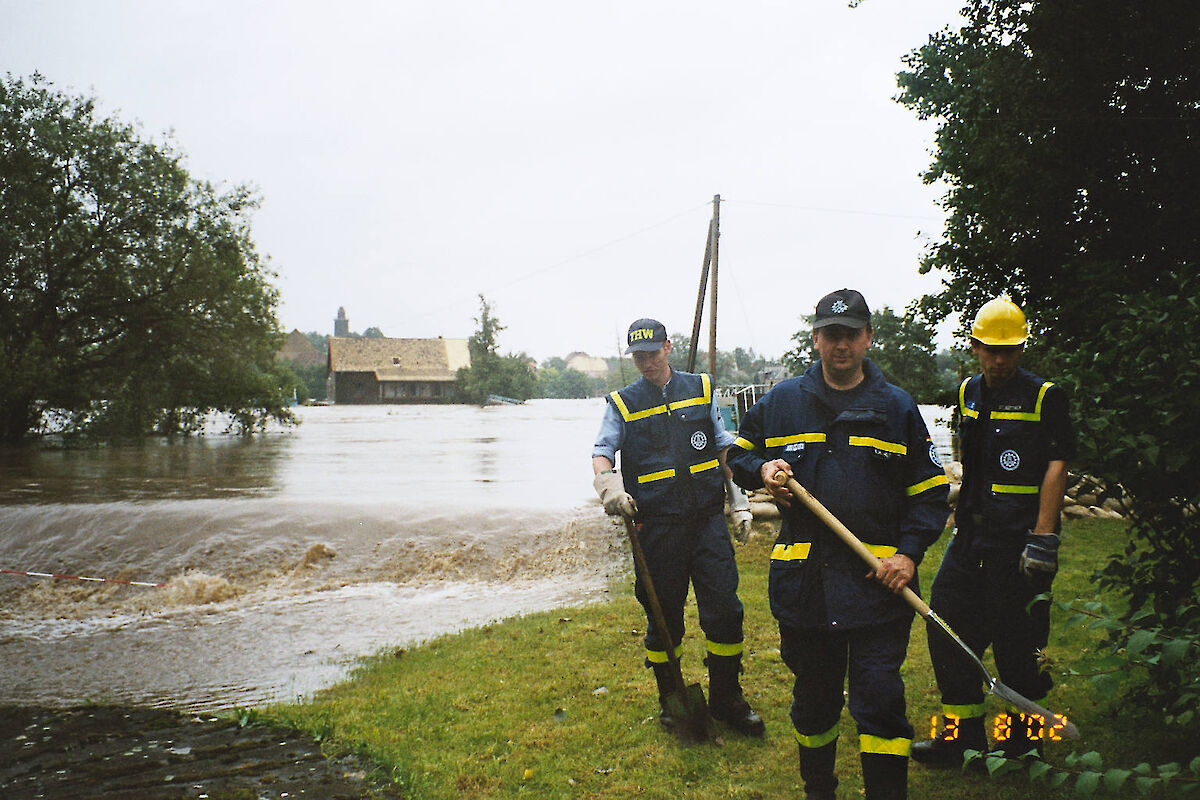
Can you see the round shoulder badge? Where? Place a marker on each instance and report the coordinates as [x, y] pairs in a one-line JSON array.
[[933, 455], [699, 440], [1009, 460]]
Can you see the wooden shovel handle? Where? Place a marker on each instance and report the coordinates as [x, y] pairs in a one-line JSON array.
[[844, 533]]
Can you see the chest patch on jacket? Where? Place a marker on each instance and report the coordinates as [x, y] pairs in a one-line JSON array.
[[1010, 460], [699, 440]]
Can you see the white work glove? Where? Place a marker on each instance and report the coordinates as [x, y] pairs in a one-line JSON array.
[[612, 493], [739, 508]]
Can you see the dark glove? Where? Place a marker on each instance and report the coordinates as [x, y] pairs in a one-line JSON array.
[[1039, 559]]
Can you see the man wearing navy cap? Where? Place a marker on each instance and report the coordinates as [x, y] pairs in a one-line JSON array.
[[672, 483], [859, 444]]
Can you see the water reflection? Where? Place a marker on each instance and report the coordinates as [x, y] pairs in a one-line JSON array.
[[192, 468]]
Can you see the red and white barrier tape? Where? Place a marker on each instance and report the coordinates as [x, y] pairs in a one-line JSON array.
[[78, 578]]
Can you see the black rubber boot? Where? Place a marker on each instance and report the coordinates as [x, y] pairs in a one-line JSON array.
[[816, 770], [1022, 740], [666, 687], [955, 739], [725, 700], [885, 777]]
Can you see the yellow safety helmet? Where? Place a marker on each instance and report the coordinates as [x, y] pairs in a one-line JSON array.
[[1000, 322]]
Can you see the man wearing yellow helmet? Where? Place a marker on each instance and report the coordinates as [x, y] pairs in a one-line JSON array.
[[1015, 436]]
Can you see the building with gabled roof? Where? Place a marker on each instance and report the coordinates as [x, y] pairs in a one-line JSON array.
[[381, 370], [298, 349]]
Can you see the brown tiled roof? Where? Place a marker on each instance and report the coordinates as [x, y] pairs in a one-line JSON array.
[[400, 359], [297, 347]]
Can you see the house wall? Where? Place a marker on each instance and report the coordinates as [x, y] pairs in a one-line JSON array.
[[355, 387]]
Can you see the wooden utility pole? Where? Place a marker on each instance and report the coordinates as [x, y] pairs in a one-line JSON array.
[[709, 266], [715, 235]]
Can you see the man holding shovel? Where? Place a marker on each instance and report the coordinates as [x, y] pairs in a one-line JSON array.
[[672, 481], [859, 444], [1015, 434]]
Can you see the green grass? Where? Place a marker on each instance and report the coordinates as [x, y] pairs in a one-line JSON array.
[[558, 705]]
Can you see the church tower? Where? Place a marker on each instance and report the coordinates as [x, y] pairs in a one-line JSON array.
[[341, 325]]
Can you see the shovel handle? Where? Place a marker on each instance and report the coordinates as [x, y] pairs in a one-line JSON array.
[[844, 533], [660, 619]]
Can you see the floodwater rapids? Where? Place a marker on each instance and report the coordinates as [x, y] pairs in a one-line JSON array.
[[288, 556]]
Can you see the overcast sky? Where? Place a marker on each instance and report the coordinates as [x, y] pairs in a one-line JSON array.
[[558, 157]]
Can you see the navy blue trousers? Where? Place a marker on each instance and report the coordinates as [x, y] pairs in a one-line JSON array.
[[870, 657], [698, 552], [982, 596]]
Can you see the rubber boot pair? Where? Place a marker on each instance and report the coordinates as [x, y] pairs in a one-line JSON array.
[[957, 736], [725, 700], [885, 777], [816, 770]]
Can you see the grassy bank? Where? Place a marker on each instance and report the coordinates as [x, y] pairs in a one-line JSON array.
[[558, 705]]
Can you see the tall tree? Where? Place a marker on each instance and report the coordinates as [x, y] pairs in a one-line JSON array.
[[1069, 140], [490, 372], [132, 299]]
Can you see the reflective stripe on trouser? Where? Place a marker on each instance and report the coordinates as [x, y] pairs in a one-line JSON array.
[[699, 553], [868, 659], [984, 599]]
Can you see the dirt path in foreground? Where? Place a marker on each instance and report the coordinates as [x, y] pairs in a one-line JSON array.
[[115, 752]]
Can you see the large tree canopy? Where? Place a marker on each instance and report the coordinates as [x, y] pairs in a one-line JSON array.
[[132, 299], [1069, 142]]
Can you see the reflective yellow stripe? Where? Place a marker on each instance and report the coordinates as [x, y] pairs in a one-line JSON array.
[[879, 444], [707, 465], [656, 476], [780, 441], [798, 551], [745, 444], [818, 740], [630, 416], [696, 401], [964, 712], [791, 552], [962, 402], [888, 747], [718, 649], [1026, 416], [660, 656], [1014, 488], [924, 486]]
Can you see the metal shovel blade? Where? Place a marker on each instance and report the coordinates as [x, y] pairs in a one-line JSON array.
[[690, 711], [1050, 721]]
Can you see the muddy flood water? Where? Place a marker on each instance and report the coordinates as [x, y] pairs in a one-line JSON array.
[[288, 556]]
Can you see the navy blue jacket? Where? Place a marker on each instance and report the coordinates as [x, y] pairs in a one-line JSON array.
[[670, 462], [873, 466]]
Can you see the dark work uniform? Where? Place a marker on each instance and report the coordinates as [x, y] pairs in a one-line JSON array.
[[1008, 438], [670, 465], [866, 455]]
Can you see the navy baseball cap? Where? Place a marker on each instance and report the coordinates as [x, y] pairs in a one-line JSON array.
[[843, 307], [645, 336]]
